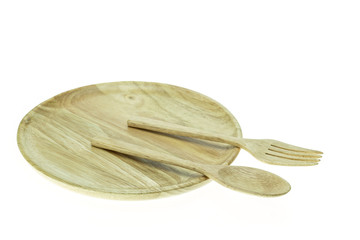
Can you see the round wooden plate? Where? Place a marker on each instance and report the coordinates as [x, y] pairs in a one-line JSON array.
[[55, 136]]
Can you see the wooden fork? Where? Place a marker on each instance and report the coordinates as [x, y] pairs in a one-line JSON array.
[[266, 150]]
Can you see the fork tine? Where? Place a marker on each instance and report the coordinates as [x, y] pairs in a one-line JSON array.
[[294, 153], [294, 148], [289, 157], [288, 162]]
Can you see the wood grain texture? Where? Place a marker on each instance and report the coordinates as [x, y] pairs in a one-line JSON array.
[[55, 137]]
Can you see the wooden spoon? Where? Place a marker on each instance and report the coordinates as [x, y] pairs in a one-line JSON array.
[[239, 178]]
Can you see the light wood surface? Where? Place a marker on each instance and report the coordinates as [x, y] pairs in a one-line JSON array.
[[266, 150], [239, 178], [55, 136]]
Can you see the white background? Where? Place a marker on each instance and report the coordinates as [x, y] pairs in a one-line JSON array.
[[287, 70]]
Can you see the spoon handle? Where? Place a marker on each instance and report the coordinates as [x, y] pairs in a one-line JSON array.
[[170, 128], [120, 146]]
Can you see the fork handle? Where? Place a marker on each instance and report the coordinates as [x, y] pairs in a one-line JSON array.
[[171, 128]]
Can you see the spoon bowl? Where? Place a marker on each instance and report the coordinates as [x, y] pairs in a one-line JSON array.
[[251, 180]]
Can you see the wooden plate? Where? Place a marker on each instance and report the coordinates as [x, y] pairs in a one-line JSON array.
[[55, 136]]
